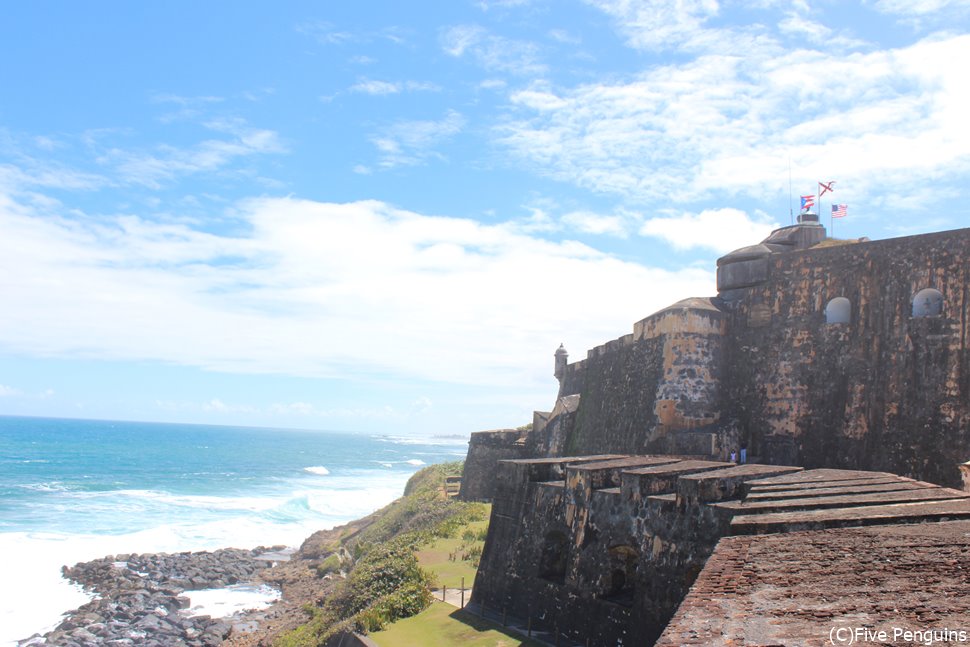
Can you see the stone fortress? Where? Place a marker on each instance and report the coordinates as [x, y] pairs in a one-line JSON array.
[[839, 370]]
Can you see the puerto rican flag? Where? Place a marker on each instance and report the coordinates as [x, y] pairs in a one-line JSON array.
[[840, 210], [808, 201]]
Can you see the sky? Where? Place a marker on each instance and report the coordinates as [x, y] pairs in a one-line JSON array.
[[385, 217]]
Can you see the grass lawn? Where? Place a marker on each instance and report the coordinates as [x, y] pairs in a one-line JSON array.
[[434, 558], [442, 625]]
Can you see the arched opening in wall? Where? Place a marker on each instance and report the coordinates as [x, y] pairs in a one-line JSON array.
[[622, 576], [552, 562], [838, 311], [928, 303]]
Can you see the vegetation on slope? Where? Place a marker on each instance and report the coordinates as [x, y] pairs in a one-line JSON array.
[[383, 580]]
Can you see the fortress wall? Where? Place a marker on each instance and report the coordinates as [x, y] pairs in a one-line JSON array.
[[574, 379], [639, 388], [885, 391], [616, 409], [485, 449]]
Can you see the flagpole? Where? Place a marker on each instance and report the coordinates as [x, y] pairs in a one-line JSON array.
[[832, 220], [818, 202], [791, 207]]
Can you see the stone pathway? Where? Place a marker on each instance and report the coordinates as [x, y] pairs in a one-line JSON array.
[[453, 596]]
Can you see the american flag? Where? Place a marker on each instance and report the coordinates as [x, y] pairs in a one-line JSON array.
[[839, 210], [808, 201]]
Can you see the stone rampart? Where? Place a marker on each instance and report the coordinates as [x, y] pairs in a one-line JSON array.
[[601, 550], [485, 450]]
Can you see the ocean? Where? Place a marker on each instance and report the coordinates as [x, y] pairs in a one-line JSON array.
[[76, 490]]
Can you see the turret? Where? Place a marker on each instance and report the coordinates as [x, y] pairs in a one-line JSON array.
[[561, 357]]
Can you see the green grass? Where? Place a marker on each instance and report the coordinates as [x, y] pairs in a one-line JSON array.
[[435, 557], [442, 625]]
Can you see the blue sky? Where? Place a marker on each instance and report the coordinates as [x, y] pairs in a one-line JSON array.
[[385, 217]]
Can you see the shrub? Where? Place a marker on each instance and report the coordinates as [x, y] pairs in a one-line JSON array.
[[330, 565]]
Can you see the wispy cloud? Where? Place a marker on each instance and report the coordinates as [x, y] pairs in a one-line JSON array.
[[37, 173], [166, 162], [9, 391], [564, 36], [663, 25], [380, 88], [920, 7], [486, 5], [324, 32], [728, 124], [494, 53], [411, 142]]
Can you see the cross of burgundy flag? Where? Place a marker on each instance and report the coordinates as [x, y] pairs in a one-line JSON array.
[[825, 187]]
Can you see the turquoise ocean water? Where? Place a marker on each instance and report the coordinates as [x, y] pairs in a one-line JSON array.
[[74, 490]]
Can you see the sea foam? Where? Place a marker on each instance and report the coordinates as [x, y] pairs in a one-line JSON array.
[[74, 491]]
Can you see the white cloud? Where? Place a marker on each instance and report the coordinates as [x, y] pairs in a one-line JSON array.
[[563, 36], [379, 88], [324, 32], [371, 86], [412, 142], [315, 289], [492, 52], [48, 174], [485, 5], [720, 230], [919, 7], [537, 100], [664, 25], [168, 162], [728, 124], [8, 391], [594, 223]]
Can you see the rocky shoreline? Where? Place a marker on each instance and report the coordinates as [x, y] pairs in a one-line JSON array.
[[139, 598]]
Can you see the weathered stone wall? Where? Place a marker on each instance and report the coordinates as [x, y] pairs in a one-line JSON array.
[[485, 449], [664, 377], [616, 411], [603, 550], [885, 391], [574, 378], [525, 560], [550, 430]]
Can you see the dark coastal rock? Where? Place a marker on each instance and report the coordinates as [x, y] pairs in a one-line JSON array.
[[140, 598]]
